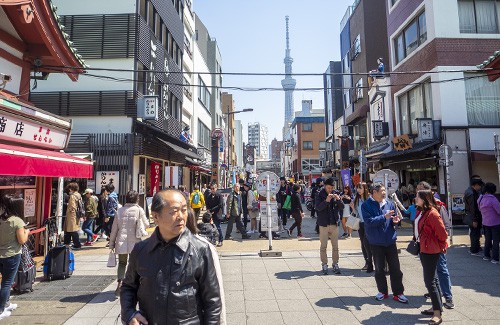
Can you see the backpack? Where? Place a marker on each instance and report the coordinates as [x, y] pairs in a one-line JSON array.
[[80, 208], [196, 197]]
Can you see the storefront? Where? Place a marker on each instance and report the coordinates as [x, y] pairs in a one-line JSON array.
[[31, 141]]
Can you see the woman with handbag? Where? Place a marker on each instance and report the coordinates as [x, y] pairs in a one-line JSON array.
[[431, 234], [362, 195], [128, 228], [12, 236], [346, 199]]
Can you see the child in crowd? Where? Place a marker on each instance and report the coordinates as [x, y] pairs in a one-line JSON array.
[[207, 228]]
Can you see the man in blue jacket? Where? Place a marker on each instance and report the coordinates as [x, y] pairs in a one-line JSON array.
[[380, 221], [328, 207]]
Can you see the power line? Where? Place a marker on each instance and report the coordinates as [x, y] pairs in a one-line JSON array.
[[269, 74]]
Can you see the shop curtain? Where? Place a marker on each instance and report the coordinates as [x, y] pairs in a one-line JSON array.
[[482, 100], [485, 17]]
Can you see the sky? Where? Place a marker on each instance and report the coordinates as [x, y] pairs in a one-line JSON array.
[[251, 38]]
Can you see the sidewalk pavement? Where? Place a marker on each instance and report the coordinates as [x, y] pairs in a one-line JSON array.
[[286, 290]]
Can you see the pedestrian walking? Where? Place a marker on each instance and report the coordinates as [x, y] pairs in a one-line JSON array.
[[234, 210], [215, 206], [442, 267], [253, 209], [281, 199], [244, 202], [207, 229], [182, 188], [111, 207], [490, 210], [101, 209], [174, 276], [329, 208], [296, 211], [197, 201], [380, 221], [316, 187], [362, 195], [346, 199], [72, 222], [473, 216], [431, 234], [124, 233], [13, 235], [90, 202]]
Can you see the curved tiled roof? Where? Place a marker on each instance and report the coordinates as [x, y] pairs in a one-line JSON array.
[[489, 60]]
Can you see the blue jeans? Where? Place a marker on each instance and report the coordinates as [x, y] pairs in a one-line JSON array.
[[87, 227], [8, 269], [219, 229], [491, 241], [444, 276]]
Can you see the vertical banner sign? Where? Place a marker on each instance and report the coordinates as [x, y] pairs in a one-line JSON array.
[[345, 174], [155, 178], [142, 184], [173, 176], [29, 202], [106, 178]]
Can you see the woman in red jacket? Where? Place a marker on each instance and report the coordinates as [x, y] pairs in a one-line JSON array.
[[432, 235]]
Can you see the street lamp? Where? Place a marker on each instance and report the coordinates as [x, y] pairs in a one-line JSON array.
[[231, 131]]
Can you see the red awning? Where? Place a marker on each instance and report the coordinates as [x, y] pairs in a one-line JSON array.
[[38, 162], [199, 168]]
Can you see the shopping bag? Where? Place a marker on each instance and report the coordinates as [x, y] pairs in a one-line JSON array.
[[112, 259], [353, 222]]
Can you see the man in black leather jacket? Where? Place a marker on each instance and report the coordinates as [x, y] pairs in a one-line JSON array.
[[173, 275], [329, 208], [215, 204]]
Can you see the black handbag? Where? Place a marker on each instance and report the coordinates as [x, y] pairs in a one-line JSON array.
[[414, 246]]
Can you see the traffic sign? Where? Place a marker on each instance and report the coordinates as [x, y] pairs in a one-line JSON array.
[[442, 151]]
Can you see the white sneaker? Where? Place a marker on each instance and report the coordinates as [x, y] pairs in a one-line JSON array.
[[250, 232], [103, 236], [6, 313], [11, 307]]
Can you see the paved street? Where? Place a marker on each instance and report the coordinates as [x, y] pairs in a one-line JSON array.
[[286, 290]]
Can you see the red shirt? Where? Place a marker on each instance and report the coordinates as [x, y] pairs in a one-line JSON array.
[[433, 234]]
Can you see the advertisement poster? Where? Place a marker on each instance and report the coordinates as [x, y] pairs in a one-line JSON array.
[[155, 178], [142, 184], [274, 216], [29, 202], [458, 204], [261, 183], [105, 178]]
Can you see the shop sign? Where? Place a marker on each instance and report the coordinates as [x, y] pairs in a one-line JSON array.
[[402, 142], [217, 133], [221, 145], [392, 178], [425, 129], [147, 108], [106, 178], [345, 174], [18, 129], [380, 129], [141, 184], [29, 202], [155, 172]]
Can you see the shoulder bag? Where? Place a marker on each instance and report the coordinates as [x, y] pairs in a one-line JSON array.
[[353, 222], [140, 227], [414, 246]]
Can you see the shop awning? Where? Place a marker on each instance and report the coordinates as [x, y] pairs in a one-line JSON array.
[[417, 147], [38, 162], [181, 150]]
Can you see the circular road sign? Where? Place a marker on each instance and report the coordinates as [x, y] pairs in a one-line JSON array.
[[261, 183]]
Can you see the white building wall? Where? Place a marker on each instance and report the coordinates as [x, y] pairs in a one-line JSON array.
[[89, 7], [200, 112]]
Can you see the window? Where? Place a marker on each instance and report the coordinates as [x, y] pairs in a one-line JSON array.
[[482, 98], [203, 93], [307, 145], [322, 145], [414, 104], [356, 48], [414, 35], [157, 29], [203, 135], [358, 91], [151, 15], [307, 127], [478, 16]]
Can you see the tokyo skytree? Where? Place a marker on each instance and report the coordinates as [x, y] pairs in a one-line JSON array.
[[288, 83]]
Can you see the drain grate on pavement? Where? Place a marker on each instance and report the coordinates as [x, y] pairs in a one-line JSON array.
[[76, 288]]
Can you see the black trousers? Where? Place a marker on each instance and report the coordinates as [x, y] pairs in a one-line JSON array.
[[108, 226], [297, 223], [380, 255], [365, 246], [475, 236], [284, 214], [239, 226], [429, 265], [72, 236]]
